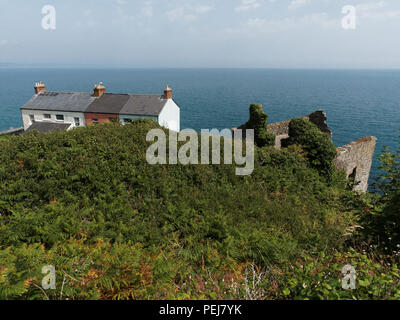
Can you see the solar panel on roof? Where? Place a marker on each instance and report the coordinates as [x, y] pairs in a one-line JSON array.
[[60, 101]]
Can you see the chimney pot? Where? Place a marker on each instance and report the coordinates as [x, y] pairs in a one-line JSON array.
[[39, 87], [99, 90], [167, 92]]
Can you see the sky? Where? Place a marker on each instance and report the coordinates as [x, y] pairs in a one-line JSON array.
[[202, 34]]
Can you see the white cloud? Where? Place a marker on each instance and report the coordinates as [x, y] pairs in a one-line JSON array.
[[247, 5], [298, 3], [370, 6], [255, 26], [147, 11], [179, 14], [203, 9], [187, 13], [373, 11], [88, 20]]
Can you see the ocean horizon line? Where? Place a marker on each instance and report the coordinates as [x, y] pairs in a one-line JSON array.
[[130, 67]]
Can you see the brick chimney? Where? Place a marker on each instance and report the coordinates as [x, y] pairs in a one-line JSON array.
[[99, 90], [167, 93], [39, 87]]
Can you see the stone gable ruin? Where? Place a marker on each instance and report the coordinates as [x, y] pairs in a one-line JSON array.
[[355, 159]]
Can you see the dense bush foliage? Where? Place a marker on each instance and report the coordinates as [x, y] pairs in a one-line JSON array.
[[103, 270], [318, 147], [320, 277], [381, 215], [115, 227], [258, 122]]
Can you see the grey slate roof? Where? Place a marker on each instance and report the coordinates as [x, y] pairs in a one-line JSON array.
[[48, 126], [108, 103], [60, 101], [124, 104], [147, 105], [128, 104]]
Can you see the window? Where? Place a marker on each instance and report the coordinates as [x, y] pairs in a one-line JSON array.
[[353, 176], [77, 122], [95, 121], [128, 121], [47, 116], [32, 118], [60, 117]]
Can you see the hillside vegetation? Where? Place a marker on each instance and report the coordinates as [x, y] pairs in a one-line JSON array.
[[115, 227]]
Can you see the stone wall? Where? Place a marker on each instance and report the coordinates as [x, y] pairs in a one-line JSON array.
[[281, 129], [356, 159], [318, 118]]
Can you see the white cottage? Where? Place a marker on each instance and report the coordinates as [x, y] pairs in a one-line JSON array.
[[47, 111], [162, 109]]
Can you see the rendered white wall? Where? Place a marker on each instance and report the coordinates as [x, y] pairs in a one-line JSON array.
[[170, 116], [39, 117]]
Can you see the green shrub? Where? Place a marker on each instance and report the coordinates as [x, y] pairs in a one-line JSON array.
[[319, 277], [380, 216], [121, 271], [153, 231], [318, 147], [258, 122]]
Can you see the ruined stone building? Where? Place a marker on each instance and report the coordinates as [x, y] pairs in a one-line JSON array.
[[355, 158]]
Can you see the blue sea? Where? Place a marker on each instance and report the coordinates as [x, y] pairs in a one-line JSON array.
[[358, 103]]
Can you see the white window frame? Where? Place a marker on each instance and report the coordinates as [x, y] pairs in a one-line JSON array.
[[77, 121]]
